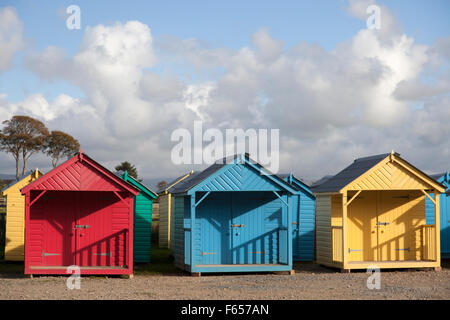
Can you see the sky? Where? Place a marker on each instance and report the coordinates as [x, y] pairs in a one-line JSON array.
[[136, 71]]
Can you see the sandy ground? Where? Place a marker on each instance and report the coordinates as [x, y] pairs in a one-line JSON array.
[[310, 282]]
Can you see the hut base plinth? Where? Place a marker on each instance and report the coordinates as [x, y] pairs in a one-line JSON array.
[[345, 270], [438, 269], [196, 274]]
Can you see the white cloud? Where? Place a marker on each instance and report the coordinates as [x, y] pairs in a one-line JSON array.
[[11, 38], [352, 101]]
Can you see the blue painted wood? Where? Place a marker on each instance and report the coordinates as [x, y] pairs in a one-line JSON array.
[[303, 221], [213, 233], [240, 226], [444, 201], [249, 237], [245, 268]]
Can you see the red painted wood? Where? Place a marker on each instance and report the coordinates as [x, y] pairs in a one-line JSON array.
[[79, 193], [86, 175]]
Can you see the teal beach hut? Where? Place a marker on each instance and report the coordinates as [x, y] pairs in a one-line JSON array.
[[143, 205]]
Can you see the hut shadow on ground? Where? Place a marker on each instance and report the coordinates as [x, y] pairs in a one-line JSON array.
[[11, 269], [445, 263]]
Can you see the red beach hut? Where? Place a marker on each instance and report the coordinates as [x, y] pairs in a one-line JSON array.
[[79, 214]]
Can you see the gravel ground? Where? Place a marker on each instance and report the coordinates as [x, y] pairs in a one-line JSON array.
[[310, 282]]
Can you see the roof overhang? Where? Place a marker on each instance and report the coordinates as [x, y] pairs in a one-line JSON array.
[[80, 157], [244, 159], [395, 158]]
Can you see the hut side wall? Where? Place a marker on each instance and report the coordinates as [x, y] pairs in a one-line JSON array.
[[15, 220], [163, 221], [323, 230], [305, 250], [142, 228], [181, 248], [445, 218]]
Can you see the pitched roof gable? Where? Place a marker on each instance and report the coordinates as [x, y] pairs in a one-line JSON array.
[[80, 173], [32, 174], [173, 183], [137, 184], [393, 173], [226, 175], [296, 182]]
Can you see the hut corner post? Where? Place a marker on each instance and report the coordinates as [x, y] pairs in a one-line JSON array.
[[192, 232], [131, 236], [437, 223], [27, 231], [344, 231], [169, 213], [289, 237]]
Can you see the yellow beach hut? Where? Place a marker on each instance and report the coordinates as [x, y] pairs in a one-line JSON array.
[[166, 218], [372, 213], [15, 216]]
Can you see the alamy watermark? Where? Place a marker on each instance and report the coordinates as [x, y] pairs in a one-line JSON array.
[[374, 20], [210, 145], [374, 280], [74, 281], [73, 22]]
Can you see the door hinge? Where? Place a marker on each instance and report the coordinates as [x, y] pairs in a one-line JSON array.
[[81, 226], [238, 225], [402, 249], [258, 252], [383, 223], [354, 250], [45, 254], [208, 253], [109, 254]]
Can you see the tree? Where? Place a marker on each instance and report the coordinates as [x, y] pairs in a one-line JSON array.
[[59, 144], [162, 185], [128, 167], [22, 136]]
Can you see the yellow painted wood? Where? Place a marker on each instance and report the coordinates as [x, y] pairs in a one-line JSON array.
[[362, 228], [380, 217], [344, 230], [163, 221], [336, 233], [428, 196], [169, 218], [392, 264], [15, 218], [429, 242], [336, 210], [393, 173], [404, 218], [166, 215], [438, 227]]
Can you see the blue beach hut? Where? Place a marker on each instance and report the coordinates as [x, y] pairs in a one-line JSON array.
[[444, 179], [303, 219], [235, 216]]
